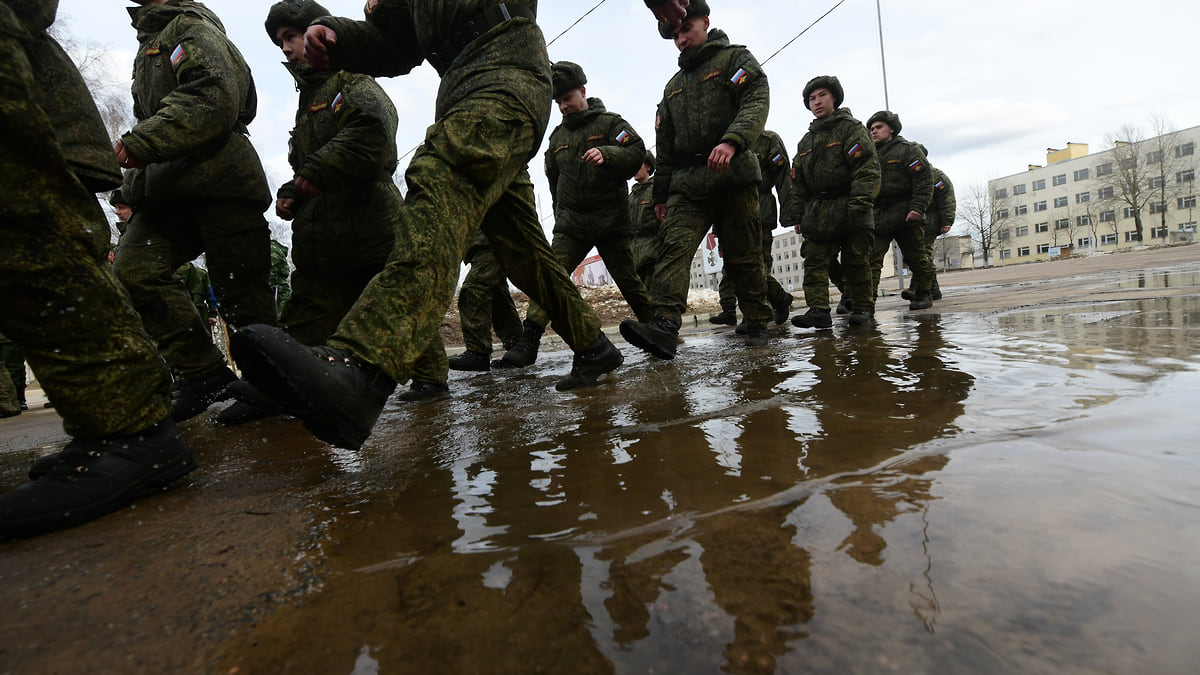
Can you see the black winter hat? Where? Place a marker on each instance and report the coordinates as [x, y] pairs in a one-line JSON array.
[[649, 160], [115, 197], [829, 82], [567, 76], [887, 117], [296, 13], [695, 8]]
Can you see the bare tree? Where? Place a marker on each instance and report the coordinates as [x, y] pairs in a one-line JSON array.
[[983, 213], [1144, 170], [95, 64]]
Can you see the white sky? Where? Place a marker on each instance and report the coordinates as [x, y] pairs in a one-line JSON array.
[[986, 86]]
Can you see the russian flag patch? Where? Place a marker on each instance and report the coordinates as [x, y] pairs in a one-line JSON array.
[[338, 102], [178, 56], [739, 77], [623, 136], [854, 151]]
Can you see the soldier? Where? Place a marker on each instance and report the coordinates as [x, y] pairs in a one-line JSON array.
[[195, 280], [712, 112], [905, 192], [471, 173], [484, 304], [196, 185], [835, 180], [279, 276], [96, 361], [645, 224], [777, 176], [938, 221], [591, 156], [121, 209], [10, 404]]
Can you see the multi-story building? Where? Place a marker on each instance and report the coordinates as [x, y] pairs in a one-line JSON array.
[[1080, 202]]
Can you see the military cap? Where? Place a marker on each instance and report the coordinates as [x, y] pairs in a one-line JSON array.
[[649, 161], [829, 82], [296, 13], [115, 197], [567, 76], [887, 117], [695, 8]]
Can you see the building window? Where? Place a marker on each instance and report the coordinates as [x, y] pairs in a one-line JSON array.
[[1020, 210], [1022, 231], [1081, 174], [1109, 239], [1002, 234], [1156, 182], [793, 241], [1157, 207], [1188, 202], [1154, 157], [1159, 232], [1022, 251], [1187, 227], [1041, 227], [1083, 197], [1005, 253], [1083, 221], [1043, 248], [1128, 212], [1039, 206], [1001, 193], [1062, 224], [1128, 163], [1001, 214], [1108, 216], [1019, 189], [1103, 169], [1185, 149], [1039, 184], [1084, 242], [1060, 179], [1132, 236], [1105, 193], [1188, 176], [1060, 202]]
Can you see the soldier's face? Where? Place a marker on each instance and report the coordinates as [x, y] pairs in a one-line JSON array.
[[123, 212], [643, 174], [291, 41], [820, 102], [571, 102], [880, 132], [692, 33]]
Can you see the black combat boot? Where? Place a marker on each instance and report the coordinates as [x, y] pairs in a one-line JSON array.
[[91, 478], [907, 293], [843, 306], [470, 360], [338, 396], [524, 352], [813, 318], [727, 317], [859, 318], [192, 396], [921, 300], [659, 337], [756, 336], [935, 291], [782, 308], [599, 358], [251, 405], [421, 391]]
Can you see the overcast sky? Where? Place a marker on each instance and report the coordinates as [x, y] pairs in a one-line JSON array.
[[986, 86]]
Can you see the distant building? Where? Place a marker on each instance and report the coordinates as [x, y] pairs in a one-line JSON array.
[[954, 253], [1074, 203], [591, 272]]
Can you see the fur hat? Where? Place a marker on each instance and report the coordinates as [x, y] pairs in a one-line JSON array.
[[695, 8], [887, 117], [115, 197], [567, 76], [296, 13], [649, 161], [829, 82]]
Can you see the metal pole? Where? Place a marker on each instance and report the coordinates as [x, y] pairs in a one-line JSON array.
[[882, 61]]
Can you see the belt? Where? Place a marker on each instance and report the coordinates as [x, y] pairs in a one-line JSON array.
[[466, 33]]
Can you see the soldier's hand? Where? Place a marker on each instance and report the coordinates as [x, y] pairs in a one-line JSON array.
[[125, 158], [671, 11], [913, 217], [317, 41], [284, 208], [945, 229], [594, 157], [660, 212], [306, 187], [720, 157]]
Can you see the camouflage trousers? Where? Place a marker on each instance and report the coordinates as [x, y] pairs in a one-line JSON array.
[[618, 259], [911, 239], [62, 305], [470, 173], [9, 403], [844, 262], [485, 304], [931, 233], [776, 293], [14, 363], [734, 218], [645, 247], [237, 245]]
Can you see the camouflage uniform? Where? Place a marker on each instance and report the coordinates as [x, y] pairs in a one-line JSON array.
[[777, 175], [720, 95], [906, 185], [97, 363], [12, 360], [590, 207], [485, 303], [836, 178], [344, 143], [195, 280], [10, 402], [203, 189], [491, 114], [942, 212], [646, 241], [280, 275]]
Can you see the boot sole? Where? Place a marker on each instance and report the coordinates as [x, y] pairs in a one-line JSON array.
[[637, 340]]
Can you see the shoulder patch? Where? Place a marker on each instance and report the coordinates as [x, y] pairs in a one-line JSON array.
[[777, 160], [940, 185], [339, 102], [624, 137], [855, 151], [739, 78], [917, 166], [711, 75], [178, 57]]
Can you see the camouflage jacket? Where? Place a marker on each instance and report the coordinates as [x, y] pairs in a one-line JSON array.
[[344, 142], [280, 273], [64, 97], [835, 178], [195, 279], [591, 200], [907, 183], [398, 35], [193, 96], [944, 208], [641, 209], [777, 175], [720, 95]]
